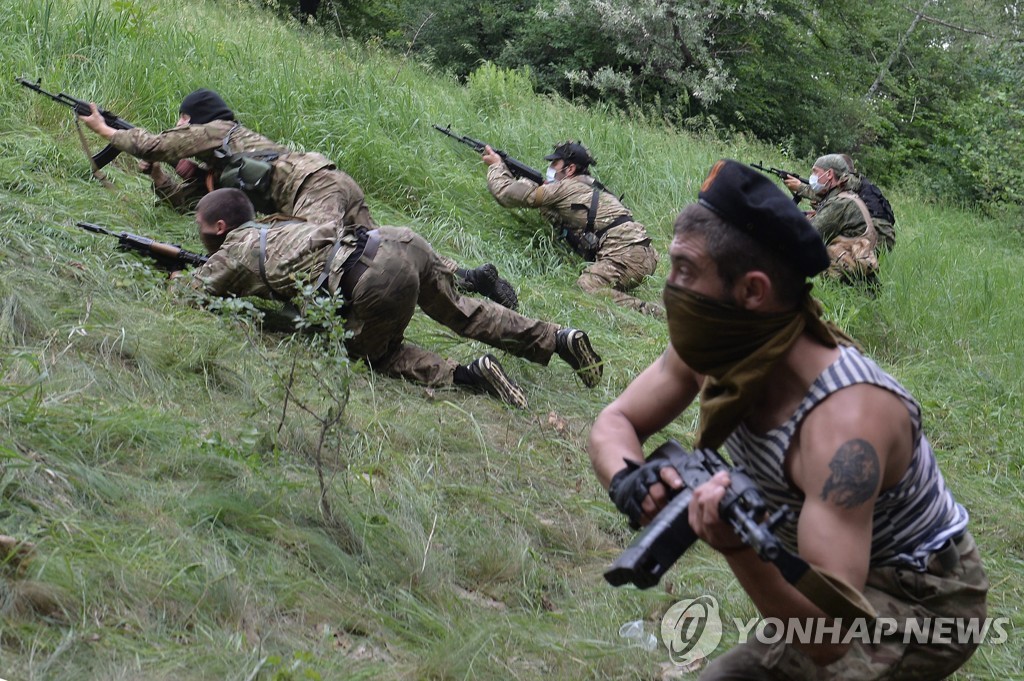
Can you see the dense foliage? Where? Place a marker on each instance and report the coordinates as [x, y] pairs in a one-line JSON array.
[[928, 91]]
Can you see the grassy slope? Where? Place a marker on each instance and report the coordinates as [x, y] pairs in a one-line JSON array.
[[177, 524]]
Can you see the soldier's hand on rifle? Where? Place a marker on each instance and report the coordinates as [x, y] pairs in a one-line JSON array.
[[705, 520], [490, 157], [95, 122], [640, 491], [792, 184]]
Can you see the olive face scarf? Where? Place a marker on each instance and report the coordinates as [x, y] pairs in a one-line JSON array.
[[736, 350]]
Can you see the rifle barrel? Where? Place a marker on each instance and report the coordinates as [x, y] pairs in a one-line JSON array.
[[94, 228]]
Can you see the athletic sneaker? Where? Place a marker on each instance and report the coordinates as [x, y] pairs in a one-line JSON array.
[[489, 377], [573, 346]]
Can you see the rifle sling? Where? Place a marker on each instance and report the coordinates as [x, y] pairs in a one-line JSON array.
[[869, 229], [96, 172], [827, 591]]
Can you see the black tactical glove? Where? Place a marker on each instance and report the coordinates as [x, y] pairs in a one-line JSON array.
[[630, 486]]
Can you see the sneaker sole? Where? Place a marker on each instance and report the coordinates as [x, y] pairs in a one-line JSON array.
[[501, 386], [584, 360]]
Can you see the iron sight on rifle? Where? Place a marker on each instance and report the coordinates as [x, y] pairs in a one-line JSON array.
[[669, 535], [517, 168], [778, 172], [82, 108], [781, 174], [167, 256]]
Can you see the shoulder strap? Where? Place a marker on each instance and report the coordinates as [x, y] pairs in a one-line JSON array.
[[869, 230], [592, 212], [322, 279], [224, 151], [263, 261]]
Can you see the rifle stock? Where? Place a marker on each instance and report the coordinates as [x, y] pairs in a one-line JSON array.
[[81, 108]]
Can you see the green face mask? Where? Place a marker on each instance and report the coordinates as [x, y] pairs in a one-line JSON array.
[[737, 350], [712, 336]]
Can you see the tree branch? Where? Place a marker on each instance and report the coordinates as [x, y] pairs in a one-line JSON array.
[[873, 90]]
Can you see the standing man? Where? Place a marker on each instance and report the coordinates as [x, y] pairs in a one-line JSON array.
[[275, 178], [817, 426], [382, 274], [592, 220]]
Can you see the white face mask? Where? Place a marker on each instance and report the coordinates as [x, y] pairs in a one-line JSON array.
[[816, 185], [549, 176]]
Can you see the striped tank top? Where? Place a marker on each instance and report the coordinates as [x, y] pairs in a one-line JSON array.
[[912, 519]]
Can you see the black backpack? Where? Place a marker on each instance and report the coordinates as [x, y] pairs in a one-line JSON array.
[[877, 204]]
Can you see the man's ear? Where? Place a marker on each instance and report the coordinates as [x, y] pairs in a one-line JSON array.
[[569, 169], [753, 291], [222, 227]]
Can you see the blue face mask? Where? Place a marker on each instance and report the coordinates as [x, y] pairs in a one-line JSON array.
[[549, 176]]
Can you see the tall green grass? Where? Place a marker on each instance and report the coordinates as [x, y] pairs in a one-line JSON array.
[[176, 513]]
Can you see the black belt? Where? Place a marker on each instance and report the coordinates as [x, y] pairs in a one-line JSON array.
[[621, 220], [356, 264]]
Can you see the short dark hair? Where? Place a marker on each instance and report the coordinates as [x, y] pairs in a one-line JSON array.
[[227, 204], [735, 253]]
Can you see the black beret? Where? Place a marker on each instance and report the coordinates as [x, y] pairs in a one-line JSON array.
[[751, 202], [203, 106], [572, 152]]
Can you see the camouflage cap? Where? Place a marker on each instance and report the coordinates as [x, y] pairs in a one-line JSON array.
[[751, 202], [834, 162], [572, 152]]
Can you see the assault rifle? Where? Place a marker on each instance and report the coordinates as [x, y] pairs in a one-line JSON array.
[[517, 168], [167, 256], [669, 535], [81, 108], [781, 174]]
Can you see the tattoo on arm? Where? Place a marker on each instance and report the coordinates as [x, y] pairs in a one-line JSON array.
[[855, 474]]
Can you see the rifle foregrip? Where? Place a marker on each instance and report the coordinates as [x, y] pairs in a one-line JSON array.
[[657, 548]]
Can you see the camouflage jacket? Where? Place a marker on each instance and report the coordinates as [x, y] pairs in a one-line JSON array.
[[291, 168], [294, 250], [838, 216], [566, 205]]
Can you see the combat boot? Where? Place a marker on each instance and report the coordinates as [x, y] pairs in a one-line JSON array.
[[573, 346], [485, 281], [487, 375]]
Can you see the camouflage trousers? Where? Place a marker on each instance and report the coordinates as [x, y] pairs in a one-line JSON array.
[[619, 268], [330, 195], [406, 272], [954, 586]]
